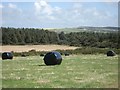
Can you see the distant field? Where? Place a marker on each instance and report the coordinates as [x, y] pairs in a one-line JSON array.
[[23, 48], [86, 29], [66, 30], [76, 71]]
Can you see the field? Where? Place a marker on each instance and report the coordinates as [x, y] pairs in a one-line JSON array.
[[83, 29], [26, 48], [66, 30], [75, 71]]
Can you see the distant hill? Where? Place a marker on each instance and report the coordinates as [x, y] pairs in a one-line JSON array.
[[85, 28]]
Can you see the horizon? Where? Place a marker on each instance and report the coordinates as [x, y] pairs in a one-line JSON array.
[[43, 14], [65, 27]]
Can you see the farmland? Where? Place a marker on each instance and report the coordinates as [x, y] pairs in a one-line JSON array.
[[86, 67], [84, 29], [26, 48], [75, 71]]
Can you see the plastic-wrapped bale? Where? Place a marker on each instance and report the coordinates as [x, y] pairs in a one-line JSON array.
[[42, 55], [7, 55], [52, 58], [111, 53], [67, 54], [23, 55]]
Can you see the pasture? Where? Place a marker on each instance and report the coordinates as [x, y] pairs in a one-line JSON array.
[[75, 71]]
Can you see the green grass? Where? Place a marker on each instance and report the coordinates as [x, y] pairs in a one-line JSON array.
[[75, 71]]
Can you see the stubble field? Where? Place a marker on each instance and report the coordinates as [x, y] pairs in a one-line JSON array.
[[26, 48]]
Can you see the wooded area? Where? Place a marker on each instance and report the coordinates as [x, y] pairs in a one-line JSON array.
[[23, 36]]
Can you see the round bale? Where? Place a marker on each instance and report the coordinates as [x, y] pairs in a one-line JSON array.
[[23, 55], [41, 54], [7, 55], [111, 53], [67, 54], [52, 58]]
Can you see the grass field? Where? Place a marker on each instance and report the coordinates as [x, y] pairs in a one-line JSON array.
[[75, 71]]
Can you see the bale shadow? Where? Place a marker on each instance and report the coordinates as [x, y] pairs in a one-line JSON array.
[[46, 65], [42, 65]]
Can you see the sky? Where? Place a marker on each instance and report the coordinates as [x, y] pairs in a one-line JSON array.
[[43, 14]]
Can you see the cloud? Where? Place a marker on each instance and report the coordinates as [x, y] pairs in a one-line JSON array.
[[12, 8], [111, 0], [1, 6], [77, 14], [80, 14], [93, 12], [63, 0], [57, 9], [43, 8], [10, 5], [45, 14], [11, 14]]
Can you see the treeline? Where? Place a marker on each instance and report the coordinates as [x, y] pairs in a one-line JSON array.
[[22, 36]]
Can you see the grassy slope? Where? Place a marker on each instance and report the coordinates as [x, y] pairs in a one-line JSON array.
[[81, 71]]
